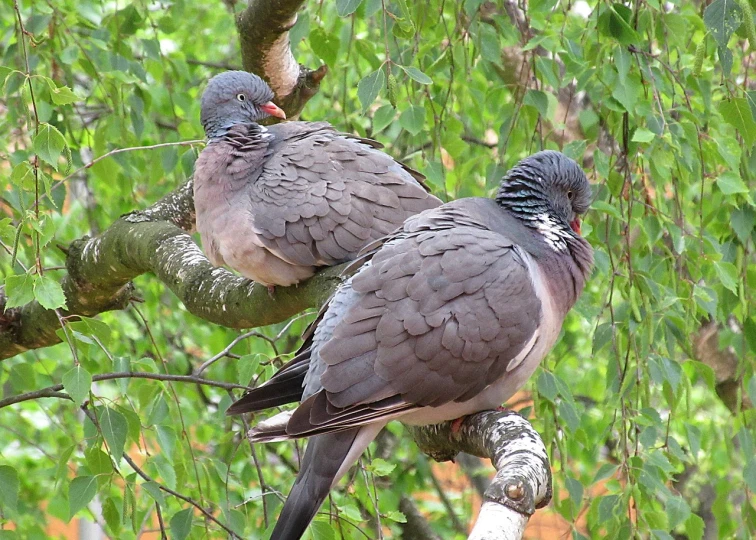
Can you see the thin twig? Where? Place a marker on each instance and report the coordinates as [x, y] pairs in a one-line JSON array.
[[148, 478], [119, 151], [184, 431], [54, 391], [456, 523], [228, 348]]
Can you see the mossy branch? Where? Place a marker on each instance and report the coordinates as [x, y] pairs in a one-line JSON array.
[[155, 240]]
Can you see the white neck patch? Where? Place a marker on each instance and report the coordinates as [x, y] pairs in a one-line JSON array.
[[552, 231]]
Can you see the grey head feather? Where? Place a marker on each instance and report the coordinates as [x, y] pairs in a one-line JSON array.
[[231, 98], [546, 182]]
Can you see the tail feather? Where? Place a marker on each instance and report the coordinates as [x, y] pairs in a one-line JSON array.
[[323, 460], [284, 387]]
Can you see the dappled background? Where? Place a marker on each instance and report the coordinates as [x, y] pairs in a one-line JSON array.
[[646, 402]]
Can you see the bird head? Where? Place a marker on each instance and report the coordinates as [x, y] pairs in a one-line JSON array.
[[550, 181], [236, 97]]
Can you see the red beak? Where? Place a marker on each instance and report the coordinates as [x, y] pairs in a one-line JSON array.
[[575, 225], [273, 110]]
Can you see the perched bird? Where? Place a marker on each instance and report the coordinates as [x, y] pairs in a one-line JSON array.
[[274, 203], [450, 316]]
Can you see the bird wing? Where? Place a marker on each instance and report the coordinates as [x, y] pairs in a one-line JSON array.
[[321, 196], [441, 311]]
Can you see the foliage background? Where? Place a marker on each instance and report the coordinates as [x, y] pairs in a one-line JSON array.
[[651, 434]]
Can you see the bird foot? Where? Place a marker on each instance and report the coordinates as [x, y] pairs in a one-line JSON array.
[[271, 291], [456, 425]]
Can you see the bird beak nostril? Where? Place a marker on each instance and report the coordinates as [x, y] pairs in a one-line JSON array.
[[273, 110]]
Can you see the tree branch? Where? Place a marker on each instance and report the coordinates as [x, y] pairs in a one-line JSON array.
[[523, 480], [156, 240], [264, 35]]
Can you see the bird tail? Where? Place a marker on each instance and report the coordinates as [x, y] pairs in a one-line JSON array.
[[284, 387], [327, 458]]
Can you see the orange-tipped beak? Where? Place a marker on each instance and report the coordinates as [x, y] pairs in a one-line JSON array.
[[273, 110], [575, 225]]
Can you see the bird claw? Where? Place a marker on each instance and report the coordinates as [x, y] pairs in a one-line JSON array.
[[456, 425], [271, 291]]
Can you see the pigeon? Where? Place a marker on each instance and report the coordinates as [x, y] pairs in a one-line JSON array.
[[274, 203], [448, 316]]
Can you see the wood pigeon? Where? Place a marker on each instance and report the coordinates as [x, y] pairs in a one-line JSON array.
[[274, 203], [448, 316]]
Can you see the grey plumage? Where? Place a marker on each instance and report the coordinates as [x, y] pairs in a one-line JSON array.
[[276, 203], [449, 316]]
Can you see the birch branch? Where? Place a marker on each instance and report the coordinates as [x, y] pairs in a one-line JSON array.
[[523, 479], [266, 50], [156, 240]]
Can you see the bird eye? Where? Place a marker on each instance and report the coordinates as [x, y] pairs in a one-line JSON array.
[[241, 97], [570, 194]]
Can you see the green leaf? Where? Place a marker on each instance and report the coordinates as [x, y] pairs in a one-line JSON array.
[[19, 290], [154, 490], [325, 45], [737, 113], [62, 95], [49, 144], [111, 514], [749, 474], [369, 88], [575, 149], [538, 100], [730, 183], [608, 507], [98, 462], [77, 383], [751, 388], [380, 467], [347, 7], [80, 492], [627, 94], [383, 117], [114, 429], [615, 22], [321, 530], [678, 511], [743, 221], [395, 515], [166, 470], [605, 471], [643, 135], [167, 439], [247, 366], [181, 524], [412, 119], [351, 512], [695, 527], [9, 487], [49, 293], [609, 209], [722, 18], [416, 75], [546, 386], [728, 275], [725, 59], [576, 490], [568, 416], [23, 176]]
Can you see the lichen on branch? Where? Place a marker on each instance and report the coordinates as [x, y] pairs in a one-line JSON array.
[[156, 240], [523, 479], [266, 51]]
